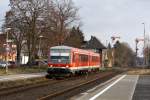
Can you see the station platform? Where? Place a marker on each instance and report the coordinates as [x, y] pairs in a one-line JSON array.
[[125, 87]]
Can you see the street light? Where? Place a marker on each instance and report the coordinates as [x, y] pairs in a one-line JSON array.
[[144, 44], [7, 30], [113, 52], [39, 51]]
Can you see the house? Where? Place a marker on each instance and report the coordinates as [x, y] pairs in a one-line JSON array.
[[95, 45], [7, 53], [110, 56]]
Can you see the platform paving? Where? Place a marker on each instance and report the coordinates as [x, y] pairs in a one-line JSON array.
[[142, 91], [120, 89]]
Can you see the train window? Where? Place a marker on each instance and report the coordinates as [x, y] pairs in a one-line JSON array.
[[60, 57], [83, 58], [59, 50], [94, 58]]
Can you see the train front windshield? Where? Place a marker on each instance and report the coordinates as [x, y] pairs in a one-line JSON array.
[[60, 56]]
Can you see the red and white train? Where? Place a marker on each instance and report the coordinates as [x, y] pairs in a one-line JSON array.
[[65, 59]]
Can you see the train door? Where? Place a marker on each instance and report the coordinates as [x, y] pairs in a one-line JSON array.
[[75, 61]]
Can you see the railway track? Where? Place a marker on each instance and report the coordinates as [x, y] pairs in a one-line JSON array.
[[53, 88], [63, 94], [21, 88]]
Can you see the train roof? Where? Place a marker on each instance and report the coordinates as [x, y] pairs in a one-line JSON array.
[[72, 48], [62, 47]]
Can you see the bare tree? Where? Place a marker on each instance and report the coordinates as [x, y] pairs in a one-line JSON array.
[[61, 16], [31, 18], [17, 30], [124, 55], [29, 11]]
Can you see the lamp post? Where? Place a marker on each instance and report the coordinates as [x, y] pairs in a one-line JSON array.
[[144, 44], [7, 47], [113, 51], [136, 49], [39, 51]]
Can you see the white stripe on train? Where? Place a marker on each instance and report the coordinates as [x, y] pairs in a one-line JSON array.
[[79, 68]]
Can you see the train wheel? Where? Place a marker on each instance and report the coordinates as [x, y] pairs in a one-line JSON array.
[[71, 75]]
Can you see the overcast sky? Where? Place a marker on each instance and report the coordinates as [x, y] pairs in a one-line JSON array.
[[105, 18], [3, 8], [124, 18]]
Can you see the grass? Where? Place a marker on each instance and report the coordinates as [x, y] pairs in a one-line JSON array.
[[104, 69], [22, 82], [139, 72], [23, 70]]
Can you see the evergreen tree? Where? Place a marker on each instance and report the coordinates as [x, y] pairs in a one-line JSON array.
[[75, 39]]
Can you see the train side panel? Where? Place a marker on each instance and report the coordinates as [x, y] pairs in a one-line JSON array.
[[76, 61]]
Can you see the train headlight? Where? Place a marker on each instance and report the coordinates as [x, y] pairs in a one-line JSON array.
[[51, 65], [67, 66]]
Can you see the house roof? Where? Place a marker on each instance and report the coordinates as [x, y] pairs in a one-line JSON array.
[[94, 43]]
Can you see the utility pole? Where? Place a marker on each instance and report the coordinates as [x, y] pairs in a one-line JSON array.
[[148, 52], [136, 48], [40, 51], [114, 38], [7, 48], [113, 52], [144, 45]]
